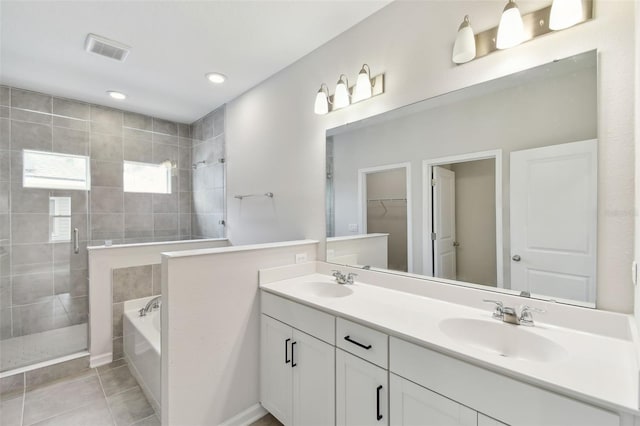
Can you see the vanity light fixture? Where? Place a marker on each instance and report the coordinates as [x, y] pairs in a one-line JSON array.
[[464, 48], [342, 97], [565, 14], [511, 28], [515, 28], [363, 89], [117, 95], [216, 77], [366, 87], [322, 100]]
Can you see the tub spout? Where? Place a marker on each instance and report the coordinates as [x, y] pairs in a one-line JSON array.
[[151, 304]]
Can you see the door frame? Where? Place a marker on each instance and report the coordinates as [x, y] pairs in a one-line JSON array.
[[427, 170], [362, 202]]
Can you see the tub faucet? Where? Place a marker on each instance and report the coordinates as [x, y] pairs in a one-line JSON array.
[[151, 304]]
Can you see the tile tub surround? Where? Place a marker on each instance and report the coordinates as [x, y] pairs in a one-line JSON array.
[[208, 135], [108, 395], [130, 283], [103, 260]]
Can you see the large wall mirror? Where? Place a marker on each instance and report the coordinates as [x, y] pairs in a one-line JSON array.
[[494, 185]]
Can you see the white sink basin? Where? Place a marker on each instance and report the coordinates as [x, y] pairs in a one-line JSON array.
[[325, 289], [507, 340]]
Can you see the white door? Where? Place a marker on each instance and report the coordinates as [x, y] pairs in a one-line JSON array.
[[275, 368], [361, 392], [554, 220], [444, 223], [313, 381], [413, 405]]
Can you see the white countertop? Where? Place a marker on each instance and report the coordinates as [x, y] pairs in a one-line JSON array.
[[597, 369]]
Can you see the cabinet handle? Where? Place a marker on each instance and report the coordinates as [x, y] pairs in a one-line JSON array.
[[348, 339], [286, 351], [293, 363], [378, 415]]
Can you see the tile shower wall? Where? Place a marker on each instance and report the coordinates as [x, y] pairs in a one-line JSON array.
[[43, 286], [208, 175]]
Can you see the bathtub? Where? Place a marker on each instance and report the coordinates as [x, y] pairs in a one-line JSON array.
[[142, 348]]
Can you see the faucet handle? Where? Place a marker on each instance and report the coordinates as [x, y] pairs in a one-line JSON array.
[[526, 318], [350, 277], [336, 273], [499, 311]]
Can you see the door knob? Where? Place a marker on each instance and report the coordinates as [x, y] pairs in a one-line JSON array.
[[456, 244], [516, 258]]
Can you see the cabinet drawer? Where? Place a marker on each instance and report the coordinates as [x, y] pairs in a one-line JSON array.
[[362, 341], [311, 321], [500, 397]]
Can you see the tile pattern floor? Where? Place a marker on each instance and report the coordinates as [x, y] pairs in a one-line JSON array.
[[106, 396], [19, 351]]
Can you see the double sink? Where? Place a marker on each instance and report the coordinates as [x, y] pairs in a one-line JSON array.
[[489, 335]]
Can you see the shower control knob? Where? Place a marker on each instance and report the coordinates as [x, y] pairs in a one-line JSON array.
[[516, 258]]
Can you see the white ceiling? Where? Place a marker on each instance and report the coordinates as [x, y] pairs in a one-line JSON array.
[[174, 43]]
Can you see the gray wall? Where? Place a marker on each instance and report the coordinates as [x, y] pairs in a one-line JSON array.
[[209, 177]]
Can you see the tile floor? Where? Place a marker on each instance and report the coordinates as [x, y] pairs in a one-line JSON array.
[[108, 395], [19, 351]]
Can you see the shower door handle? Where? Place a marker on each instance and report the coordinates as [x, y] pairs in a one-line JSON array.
[[76, 241]]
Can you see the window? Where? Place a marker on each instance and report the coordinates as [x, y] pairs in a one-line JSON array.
[[145, 177], [54, 170], [60, 218]]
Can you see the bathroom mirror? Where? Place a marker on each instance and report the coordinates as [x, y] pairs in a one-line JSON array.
[[494, 185]]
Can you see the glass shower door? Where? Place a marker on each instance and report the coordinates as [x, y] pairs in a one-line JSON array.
[[43, 258]]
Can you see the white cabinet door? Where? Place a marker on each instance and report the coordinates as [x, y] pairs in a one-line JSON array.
[[275, 369], [313, 381], [361, 392], [413, 405]]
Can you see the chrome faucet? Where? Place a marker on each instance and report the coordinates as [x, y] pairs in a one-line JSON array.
[[511, 316], [151, 304], [342, 278]]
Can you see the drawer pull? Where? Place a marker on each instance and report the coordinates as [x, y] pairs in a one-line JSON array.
[[348, 339], [378, 415], [286, 351]]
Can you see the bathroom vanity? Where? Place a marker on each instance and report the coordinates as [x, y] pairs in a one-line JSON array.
[[359, 354]]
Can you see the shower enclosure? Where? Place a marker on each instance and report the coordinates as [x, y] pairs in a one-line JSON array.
[[74, 174], [43, 263]]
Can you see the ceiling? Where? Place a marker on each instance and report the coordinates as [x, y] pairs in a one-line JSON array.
[[174, 43]]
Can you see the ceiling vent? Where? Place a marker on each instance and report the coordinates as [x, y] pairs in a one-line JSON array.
[[104, 47]]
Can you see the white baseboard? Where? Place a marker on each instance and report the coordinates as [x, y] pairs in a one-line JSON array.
[[98, 360], [246, 417]]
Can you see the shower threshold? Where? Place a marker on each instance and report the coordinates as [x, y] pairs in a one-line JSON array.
[[41, 348]]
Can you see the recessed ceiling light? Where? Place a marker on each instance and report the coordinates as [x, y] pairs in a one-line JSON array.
[[215, 77], [117, 95]]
